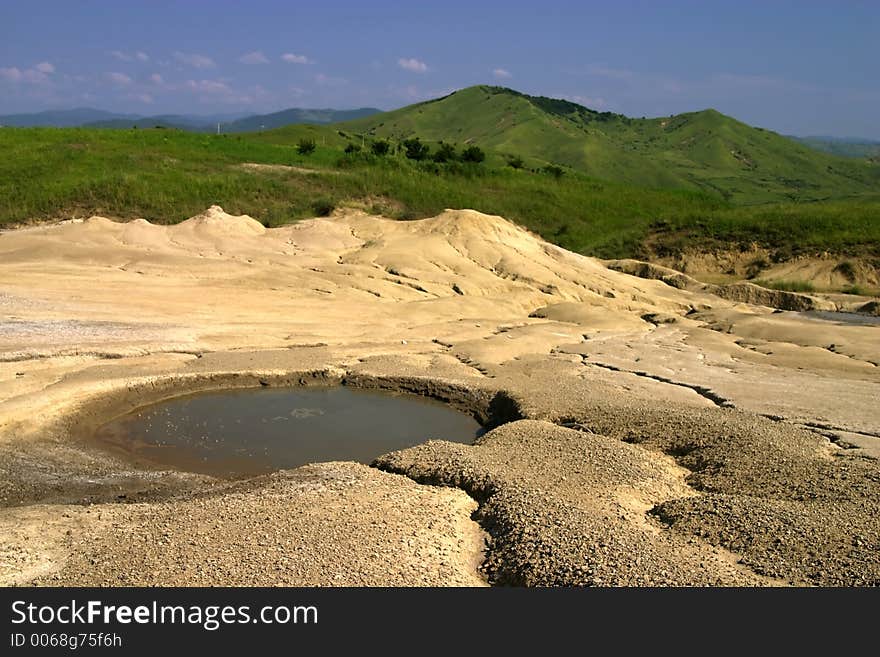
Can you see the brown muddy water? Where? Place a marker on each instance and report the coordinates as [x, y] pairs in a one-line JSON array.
[[246, 432]]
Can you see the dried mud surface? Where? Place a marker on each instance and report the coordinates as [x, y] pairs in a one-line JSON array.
[[647, 432]]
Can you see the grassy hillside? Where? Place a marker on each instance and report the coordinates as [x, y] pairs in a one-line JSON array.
[[167, 176], [704, 151]]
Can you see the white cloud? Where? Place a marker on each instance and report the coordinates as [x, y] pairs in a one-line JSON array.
[[45, 67], [34, 76], [123, 56], [155, 78], [194, 60], [31, 75], [412, 64], [290, 58], [12, 74], [502, 73], [255, 57], [120, 79], [208, 86], [219, 91]]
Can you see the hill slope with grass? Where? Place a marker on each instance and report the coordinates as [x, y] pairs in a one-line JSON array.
[[704, 151], [167, 175]]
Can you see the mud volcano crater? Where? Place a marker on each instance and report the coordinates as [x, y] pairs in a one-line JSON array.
[[244, 432]]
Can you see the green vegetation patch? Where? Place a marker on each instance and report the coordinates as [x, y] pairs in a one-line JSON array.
[[166, 176]]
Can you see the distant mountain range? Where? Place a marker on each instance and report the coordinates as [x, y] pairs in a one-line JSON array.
[[843, 146], [94, 118]]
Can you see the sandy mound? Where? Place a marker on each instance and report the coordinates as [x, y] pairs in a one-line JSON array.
[[213, 223], [458, 253]]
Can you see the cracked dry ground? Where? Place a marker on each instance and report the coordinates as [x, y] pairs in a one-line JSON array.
[[646, 435]]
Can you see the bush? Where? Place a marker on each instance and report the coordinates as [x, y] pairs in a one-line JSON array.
[[380, 147], [415, 149], [756, 266], [445, 153], [553, 170], [515, 161], [323, 207], [305, 146], [352, 148], [846, 269], [473, 154]]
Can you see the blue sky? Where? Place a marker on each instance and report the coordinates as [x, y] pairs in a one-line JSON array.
[[796, 67]]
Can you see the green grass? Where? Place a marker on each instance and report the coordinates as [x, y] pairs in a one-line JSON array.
[[161, 175], [787, 286], [857, 290], [702, 151], [166, 176], [844, 227]]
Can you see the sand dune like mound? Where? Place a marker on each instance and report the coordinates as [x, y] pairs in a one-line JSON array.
[[457, 253], [214, 223]]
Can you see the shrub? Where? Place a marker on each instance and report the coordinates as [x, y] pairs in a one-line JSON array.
[[323, 207], [756, 266], [305, 146], [473, 154], [352, 148], [553, 170], [515, 161], [415, 149], [380, 147], [846, 269], [445, 153]]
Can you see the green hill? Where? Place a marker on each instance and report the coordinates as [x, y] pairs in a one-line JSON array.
[[704, 150], [168, 175]]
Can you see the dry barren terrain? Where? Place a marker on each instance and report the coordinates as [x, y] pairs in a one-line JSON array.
[[645, 432]]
